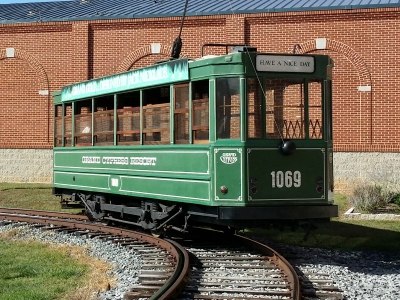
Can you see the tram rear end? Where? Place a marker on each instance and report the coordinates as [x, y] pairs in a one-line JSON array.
[[287, 161]]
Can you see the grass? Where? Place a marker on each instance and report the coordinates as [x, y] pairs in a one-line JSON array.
[[37, 271], [30, 196], [33, 270], [28, 268]]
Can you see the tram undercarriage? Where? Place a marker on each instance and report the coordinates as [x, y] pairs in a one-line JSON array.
[[159, 217]]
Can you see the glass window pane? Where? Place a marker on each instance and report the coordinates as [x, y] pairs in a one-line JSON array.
[[254, 113], [200, 115], [228, 108], [181, 112]]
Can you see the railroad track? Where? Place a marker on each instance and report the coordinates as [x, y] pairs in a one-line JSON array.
[[209, 265], [235, 267], [164, 265]]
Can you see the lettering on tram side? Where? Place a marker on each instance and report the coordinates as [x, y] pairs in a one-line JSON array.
[[228, 158], [120, 160]]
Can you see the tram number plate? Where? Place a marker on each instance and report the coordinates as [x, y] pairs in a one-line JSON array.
[[288, 179]]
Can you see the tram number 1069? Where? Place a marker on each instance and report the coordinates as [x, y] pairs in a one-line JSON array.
[[286, 179]]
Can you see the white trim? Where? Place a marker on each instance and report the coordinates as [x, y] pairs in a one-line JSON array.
[[320, 43], [155, 48], [10, 52], [44, 92], [133, 153], [364, 88]]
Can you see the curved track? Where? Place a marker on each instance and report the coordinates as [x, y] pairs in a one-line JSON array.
[[221, 266], [160, 257], [234, 267]]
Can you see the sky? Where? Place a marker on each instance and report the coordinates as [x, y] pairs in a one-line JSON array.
[[26, 1]]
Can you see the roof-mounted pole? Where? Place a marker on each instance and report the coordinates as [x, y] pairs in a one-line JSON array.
[[177, 45]]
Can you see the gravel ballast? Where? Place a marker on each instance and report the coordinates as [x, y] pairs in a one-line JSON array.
[[359, 275]]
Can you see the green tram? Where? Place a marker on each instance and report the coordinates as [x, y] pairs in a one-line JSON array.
[[237, 140]]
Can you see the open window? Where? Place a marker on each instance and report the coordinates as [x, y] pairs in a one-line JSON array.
[[285, 103], [58, 126], [104, 120], [83, 123], [156, 116], [315, 120], [128, 118]]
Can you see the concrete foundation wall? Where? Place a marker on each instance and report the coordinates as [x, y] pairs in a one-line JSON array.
[[351, 168], [26, 165]]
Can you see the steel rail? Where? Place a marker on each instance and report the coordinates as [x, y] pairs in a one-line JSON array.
[[225, 267], [171, 288], [43, 213], [280, 261]]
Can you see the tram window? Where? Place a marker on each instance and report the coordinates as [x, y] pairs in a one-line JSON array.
[[104, 120], [254, 112], [181, 114], [68, 125], [83, 123], [128, 118], [315, 129], [285, 108], [58, 116], [228, 108], [200, 114], [156, 116]]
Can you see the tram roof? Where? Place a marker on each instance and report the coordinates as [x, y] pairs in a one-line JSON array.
[[111, 9]]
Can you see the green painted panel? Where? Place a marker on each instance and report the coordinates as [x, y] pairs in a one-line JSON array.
[[166, 188], [228, 173], [196, 191], [168, 163], [97, 182], [273, 176]]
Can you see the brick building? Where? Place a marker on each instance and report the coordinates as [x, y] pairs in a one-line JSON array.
[[44, 46]]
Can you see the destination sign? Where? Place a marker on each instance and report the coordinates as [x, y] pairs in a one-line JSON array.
[[169, 72], [285, 63]]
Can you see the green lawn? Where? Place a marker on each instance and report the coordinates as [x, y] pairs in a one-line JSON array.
[[35, 272]]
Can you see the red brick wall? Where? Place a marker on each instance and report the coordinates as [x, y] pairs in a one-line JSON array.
[[363, 44]]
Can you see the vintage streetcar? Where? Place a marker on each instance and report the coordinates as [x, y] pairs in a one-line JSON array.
[[232, 141]]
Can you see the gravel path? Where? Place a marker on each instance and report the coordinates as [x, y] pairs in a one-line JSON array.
[[360, 275]]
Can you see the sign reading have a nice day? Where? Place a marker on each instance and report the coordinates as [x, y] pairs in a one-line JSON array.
[[285, 63]]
